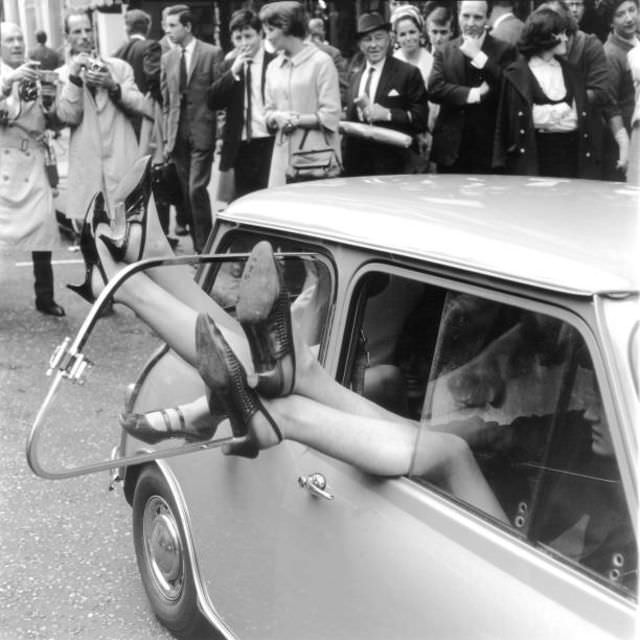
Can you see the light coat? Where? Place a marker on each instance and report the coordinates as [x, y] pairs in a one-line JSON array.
[[102, 142]]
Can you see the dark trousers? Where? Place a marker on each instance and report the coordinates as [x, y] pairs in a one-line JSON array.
[[366, 158], [252, 165], [193, 167], [43, 276]]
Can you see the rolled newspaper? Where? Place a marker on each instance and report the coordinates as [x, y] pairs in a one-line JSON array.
[[375, 133]]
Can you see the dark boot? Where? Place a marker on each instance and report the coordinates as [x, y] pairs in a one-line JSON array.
[[43, 284]]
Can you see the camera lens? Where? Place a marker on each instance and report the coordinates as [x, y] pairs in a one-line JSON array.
[[28, 91]]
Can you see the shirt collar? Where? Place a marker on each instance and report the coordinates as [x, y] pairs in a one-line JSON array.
[[190, 47], [377, 66], [537, 61], [304, 54], [136, 36]]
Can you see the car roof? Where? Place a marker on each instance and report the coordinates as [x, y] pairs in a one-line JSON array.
[[576, 236]]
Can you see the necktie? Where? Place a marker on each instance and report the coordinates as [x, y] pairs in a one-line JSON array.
[[247, 85], [367, 86], [183, 71]]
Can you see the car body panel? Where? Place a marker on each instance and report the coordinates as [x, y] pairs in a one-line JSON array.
[[389, 558], [537, 231]]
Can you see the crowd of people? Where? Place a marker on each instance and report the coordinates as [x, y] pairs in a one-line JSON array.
[[461, 87]]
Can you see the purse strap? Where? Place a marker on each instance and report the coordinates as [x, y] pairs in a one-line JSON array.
[[306, 133]]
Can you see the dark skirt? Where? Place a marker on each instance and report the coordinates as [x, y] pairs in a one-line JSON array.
[[557, 154]]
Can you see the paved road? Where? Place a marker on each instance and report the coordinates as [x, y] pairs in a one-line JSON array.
[[67, 562]]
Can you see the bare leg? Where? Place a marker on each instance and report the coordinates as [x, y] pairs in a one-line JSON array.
[[383, 448]]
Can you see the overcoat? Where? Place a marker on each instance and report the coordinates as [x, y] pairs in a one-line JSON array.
[[515, 137], [27, 217], [102, 142]]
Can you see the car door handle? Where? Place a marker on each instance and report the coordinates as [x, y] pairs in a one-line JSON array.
[[316, 483]]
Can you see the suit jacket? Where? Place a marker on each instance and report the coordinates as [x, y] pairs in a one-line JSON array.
[[448, 87], [227, 93], [400, 89], [508, 30], [144, 57], [200, 120]]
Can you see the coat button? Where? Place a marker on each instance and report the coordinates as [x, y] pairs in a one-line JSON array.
[[521, 150], [588, 155], [521, 132], [586, 135], [520, 113]]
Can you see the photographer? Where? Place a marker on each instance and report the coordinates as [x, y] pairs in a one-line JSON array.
[[27, 219], [96, 98]]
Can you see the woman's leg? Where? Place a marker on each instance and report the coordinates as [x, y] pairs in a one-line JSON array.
[[381, 447]]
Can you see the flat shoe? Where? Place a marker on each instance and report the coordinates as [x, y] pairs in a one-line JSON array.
[[50, 308], [263, 310], [226, 379], [139, 426]]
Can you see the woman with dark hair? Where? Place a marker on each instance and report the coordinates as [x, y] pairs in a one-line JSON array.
[[302, 92], [543, 124]]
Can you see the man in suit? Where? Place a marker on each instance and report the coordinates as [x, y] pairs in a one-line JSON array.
[[504, 24], [247, 145], [143, 55], [388, 93], [465, 82], [189, 126]]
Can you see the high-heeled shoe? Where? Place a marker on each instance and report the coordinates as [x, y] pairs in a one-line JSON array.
[[226, 379], [263, 310], [139, 426], [135, 202], [96, 214]]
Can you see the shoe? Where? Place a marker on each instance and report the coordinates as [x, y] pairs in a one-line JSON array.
[[50, 308], [226, 379], [173, 242], [263, 311], [139, 426], [181, 230], [136, 209], [96, 214]]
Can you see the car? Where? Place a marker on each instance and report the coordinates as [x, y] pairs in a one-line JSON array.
[[501, 309]]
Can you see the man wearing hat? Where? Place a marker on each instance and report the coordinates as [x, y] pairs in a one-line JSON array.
[[386, 92], [465, 82]]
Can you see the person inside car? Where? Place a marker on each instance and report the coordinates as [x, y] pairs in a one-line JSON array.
[[287, 394]]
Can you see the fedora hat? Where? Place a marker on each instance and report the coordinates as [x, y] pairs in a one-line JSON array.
[[369, 22]]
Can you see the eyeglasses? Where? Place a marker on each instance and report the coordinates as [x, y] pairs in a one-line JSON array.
[[575, 4]]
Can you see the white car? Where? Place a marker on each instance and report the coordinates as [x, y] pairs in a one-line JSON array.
[[503, 309]]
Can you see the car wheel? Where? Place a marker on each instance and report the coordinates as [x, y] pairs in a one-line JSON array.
[[161, 552]]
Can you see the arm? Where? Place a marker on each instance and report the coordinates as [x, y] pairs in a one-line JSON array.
[[151, 69], [130, 97], [221, 90], [70, 98], [440, 90], [328, 87], [597, 75]]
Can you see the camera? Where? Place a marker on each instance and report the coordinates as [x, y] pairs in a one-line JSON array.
[[96, 65], [28, 91]]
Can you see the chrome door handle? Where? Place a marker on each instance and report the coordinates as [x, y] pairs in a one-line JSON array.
[[316, 483]]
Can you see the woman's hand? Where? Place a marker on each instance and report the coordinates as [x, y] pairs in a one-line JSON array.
[[284, 120]]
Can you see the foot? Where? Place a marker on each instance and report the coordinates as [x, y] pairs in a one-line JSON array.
[[50, 308], [230, 395], [162, 424], [263, 311]]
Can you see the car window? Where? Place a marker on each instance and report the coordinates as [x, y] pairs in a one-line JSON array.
[[519, 387], [309, 281]]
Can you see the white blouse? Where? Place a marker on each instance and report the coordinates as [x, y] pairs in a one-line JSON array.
[[560, 117]]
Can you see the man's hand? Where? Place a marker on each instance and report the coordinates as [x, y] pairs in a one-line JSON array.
[[238, 63], [376, 113], [470, 47], [78, 63], [100, 78], [25, 72]]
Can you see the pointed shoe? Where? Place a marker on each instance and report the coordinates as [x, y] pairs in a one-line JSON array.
[[139, 426], [226, 379], [263, 310], [96, 214]]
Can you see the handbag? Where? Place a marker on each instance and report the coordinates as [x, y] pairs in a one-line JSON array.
[[165, 183], [312, 164]]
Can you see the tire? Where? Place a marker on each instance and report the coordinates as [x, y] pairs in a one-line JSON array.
[[163, 562]]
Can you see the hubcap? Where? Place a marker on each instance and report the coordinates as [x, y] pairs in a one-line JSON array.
[[163, 547]]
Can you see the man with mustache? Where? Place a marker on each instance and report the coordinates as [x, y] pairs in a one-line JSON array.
[[465, 82]]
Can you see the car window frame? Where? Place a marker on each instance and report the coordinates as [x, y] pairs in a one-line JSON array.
[[525, 297]]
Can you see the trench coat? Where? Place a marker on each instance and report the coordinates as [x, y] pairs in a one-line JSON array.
[[102, 143], [27, 215]]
